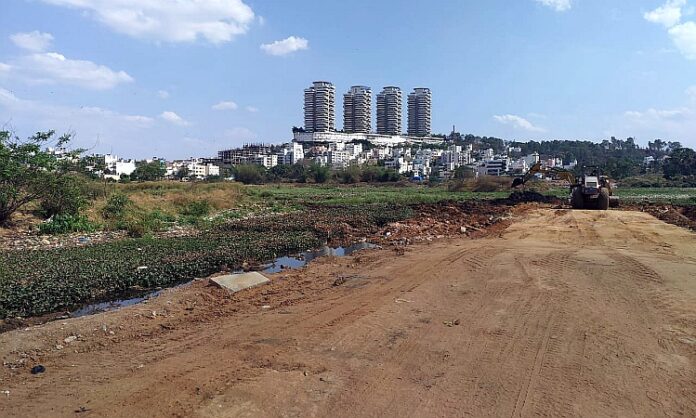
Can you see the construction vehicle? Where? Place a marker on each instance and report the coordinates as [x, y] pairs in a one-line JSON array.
[[593, 191]]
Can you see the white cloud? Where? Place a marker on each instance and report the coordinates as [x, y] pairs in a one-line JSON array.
[[659, 115], [691, 92], [557, 5], [54, 68], [684, 37], [286, 46], [240, 134], [228, 105], [668, 14], [683, 34], [675, 124], [5, 68], [173, 118], [7, 98], [11, 102], [33, 41], [216, 21], [252, 109], [163, 94], [94, 126], [518, 122]]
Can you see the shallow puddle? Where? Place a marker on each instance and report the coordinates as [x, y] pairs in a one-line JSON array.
[[279, 264]]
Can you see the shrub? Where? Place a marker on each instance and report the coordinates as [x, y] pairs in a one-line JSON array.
[[116, 206], [66, 196], [491, 184], [319, 173], [138, 223], [249, 174], [197, 208], [349, 175], [66, 223]]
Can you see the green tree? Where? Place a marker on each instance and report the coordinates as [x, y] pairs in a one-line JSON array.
[[349, 175], [67, 195], [181, 173], [682, 162], [249, 173], [27, 171], [151, 171], [319, 173]]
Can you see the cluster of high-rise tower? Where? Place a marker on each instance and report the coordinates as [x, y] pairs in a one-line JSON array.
[[320, 110]]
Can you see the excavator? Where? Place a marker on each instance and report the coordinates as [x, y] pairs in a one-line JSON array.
[[591, 191]]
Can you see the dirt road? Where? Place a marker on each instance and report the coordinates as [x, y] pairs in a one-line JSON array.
[[564, 314]]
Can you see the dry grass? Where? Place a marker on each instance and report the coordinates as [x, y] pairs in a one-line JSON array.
[[481, 184], [170, 197]]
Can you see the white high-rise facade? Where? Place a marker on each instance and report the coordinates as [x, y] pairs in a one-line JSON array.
[[320, 107], [419, 112], [389, 111], [357, 110]]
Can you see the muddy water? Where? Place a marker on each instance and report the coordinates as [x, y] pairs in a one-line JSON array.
[[279, 264]]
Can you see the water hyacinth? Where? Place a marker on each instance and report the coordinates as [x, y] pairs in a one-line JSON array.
[[44, 281]]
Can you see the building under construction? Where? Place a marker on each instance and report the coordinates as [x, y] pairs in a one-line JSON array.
[[247, 154]]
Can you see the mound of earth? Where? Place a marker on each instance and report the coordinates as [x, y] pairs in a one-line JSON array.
[[531, 197]]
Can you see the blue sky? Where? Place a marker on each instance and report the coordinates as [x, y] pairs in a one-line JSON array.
[[147, 78]]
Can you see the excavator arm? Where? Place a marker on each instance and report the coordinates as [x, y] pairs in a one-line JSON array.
[[559, 173]]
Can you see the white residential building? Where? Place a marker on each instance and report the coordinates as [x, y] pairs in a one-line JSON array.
[[266, 160], [125, 168], [354, 149], [399, 164], [199, 170], [339, 158], [531, 159], [495, 167], [297, 153]]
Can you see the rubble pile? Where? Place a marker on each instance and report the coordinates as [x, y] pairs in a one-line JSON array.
[[440, 221], [531, 197], [684, 217]]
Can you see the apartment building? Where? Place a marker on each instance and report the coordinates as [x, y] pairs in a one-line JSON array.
[[419, 112], [357, 110], [320, 107], [389, 111]]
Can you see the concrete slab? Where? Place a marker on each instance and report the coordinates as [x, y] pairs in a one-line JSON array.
[[236, 282]]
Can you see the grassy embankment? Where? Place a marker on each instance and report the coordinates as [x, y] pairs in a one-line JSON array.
[[665, 195], [44, 281]]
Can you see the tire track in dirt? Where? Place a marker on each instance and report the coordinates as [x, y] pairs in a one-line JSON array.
[[553, 320]]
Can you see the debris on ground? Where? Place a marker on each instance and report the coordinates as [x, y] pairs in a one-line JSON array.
[[684, 217], [38, 369], [528, 196]]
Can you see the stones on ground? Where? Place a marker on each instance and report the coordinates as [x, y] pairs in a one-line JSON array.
[[236, 282], [70, 339], [38, 369]]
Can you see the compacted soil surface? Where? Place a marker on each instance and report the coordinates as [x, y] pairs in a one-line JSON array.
[[560, 313]]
